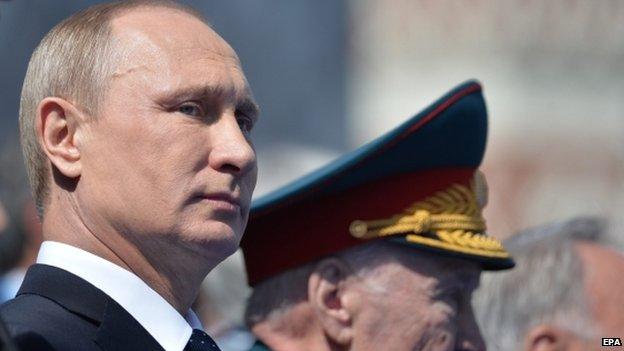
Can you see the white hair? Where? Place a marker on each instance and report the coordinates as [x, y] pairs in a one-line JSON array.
[[545, 287]]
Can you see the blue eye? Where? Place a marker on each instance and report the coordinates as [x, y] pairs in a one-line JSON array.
[[191, 109]]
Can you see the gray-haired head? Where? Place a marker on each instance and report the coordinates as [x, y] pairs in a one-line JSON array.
[[546, 286]]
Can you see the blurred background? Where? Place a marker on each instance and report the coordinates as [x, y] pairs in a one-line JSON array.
[[331, 75]]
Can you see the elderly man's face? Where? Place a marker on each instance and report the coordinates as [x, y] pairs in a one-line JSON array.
[[604, 288], [424, 304], [169, 158]]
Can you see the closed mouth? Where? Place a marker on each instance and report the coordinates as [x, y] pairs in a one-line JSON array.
[[221, 201]]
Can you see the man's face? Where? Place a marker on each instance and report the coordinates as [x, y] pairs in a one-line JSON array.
[[422, 302], [604, 292], [604, 288], [169, 161]]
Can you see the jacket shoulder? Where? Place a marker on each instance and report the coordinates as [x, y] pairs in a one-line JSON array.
[[38, 323]]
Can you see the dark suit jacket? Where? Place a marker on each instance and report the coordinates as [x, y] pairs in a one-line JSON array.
[[6, 342], [56, 310]]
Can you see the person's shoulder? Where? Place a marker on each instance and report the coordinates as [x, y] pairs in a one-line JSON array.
[[38, 323]]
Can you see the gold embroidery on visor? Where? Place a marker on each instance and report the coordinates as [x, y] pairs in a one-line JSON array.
[[450, 219]]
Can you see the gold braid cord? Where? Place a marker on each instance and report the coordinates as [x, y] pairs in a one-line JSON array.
[[452, 218]]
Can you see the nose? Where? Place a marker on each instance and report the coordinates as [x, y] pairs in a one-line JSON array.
[[232, 151]]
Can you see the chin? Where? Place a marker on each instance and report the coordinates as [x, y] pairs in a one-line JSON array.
[[215, 237]]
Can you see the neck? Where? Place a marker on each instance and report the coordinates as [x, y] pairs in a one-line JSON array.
[[171, 270]]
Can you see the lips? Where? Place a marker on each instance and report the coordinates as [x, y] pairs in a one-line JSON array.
[[222, 201]]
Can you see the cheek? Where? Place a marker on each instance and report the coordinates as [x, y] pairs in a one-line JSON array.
[[169, 153], [142, 162], [401, 327], [435, 329], [250, 180], [442, 327], [391, 323], [173, 137], [436, 339]]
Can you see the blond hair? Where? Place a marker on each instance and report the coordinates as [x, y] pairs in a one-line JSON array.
[[73, 61]]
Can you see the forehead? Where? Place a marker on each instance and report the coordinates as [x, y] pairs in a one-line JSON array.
[[603, 269], [167, 41], [168, 28]]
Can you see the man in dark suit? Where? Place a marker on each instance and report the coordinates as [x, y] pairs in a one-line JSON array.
[[135, 121]]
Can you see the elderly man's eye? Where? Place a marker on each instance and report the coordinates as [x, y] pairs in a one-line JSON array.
[[191, 109], [452, 296]]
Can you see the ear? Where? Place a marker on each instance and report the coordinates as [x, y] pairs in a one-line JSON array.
[[56, 126], [547, 338], [328, 292]]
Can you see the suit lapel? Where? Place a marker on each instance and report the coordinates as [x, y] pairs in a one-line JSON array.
[[118, 330]]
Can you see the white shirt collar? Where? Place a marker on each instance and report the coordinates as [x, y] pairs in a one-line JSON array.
[[150, 309]]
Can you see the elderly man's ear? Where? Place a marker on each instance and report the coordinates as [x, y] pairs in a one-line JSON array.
[[331, 294], [551, 338], [56, 126]]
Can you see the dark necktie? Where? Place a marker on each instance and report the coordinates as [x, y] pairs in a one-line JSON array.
[[200, 341]]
